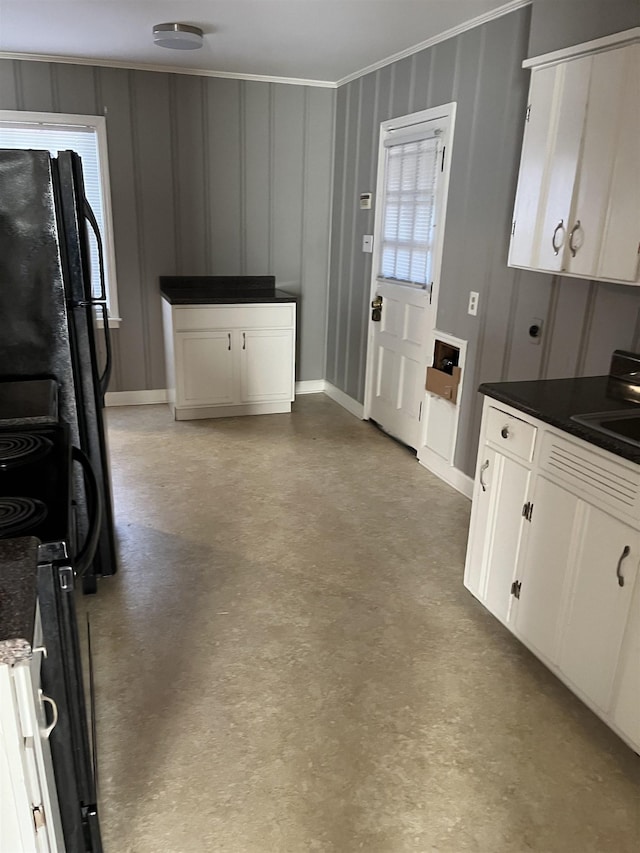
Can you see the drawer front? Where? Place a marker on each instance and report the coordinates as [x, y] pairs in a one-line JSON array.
[[509, 433], [202, 317]]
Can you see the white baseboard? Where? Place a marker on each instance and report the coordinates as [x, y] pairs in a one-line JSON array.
[[135, 398], [344, 400], [310, 386], [442, 469]]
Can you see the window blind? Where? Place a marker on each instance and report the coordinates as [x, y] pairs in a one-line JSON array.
[[409, 210], [84, 141]]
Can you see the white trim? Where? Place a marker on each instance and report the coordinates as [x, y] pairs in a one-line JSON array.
[[99, 124], [344, 400], [471, 24], [452, 476], [575, 51], [135, 398], [310, 386], [165, 69]]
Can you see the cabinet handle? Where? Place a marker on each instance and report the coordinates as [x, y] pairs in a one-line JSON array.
[[484, 467], [54, 710], [504, 432], [625, 553], [244, 340], [229, 336], [559, 227], [573, 248]]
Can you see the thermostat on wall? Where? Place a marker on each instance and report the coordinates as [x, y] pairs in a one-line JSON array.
[[365, 201]]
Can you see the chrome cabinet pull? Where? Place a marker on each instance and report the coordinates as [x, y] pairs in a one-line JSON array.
[[229, 336], [559, 227], [54, 710], [244, 340], [484, 467], [625, 553], [573, 248]]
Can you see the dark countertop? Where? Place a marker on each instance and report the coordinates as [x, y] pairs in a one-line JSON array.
[[222, 290], [18, 590], [554, 401]]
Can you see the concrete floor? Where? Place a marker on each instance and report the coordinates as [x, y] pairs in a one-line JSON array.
[[288, 660]]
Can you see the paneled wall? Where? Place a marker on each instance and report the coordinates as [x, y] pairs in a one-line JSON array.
[[561, 23], [208, 176], [583, 322]]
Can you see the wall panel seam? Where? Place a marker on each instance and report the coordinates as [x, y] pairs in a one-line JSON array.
[[174, 142], [19, 85], [55, 89], [135, 145], [271, 199], [547, 333], [206, 174], [587, 324], [304, 185], [343, 194], [350, 342], [242, 171]]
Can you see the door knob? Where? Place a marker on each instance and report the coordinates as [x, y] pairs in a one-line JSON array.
[[376, 313]]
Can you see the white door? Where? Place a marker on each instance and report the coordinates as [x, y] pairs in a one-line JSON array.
[[609, 552], [266, 365], [548, 548], [413, 169], [204, 368]]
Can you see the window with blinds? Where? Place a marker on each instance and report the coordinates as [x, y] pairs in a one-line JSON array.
[[409, 210], [83, 139]]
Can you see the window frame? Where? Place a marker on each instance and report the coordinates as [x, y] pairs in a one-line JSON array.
[[99, 125]]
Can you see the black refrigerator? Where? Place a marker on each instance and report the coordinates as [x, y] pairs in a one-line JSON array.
[[49, 317]]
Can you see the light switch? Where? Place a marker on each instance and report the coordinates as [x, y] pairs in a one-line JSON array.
[[367, 242]]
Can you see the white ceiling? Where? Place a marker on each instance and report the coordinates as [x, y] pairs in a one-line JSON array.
[[319, 40]]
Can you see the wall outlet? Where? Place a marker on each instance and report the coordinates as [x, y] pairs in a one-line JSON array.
[[473, 303], [367, 243]]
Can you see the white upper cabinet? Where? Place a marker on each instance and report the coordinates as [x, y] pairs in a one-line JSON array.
[[577, 209]]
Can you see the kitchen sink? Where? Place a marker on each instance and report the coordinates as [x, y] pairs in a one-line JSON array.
[[623, 425]]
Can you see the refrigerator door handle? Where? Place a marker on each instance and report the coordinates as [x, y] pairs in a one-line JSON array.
[[86, 554], [89, 215], [103, 380]]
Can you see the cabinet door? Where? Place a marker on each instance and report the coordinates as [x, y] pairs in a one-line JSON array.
[[204, 368], [533, 166], [626, 706], [266, 365], [599, 606], [605, 228], [563, 154], [548, 548], [496, 527]]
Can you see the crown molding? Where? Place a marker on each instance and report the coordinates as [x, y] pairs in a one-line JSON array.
[[471, 24], [478, 21], [165, 69]]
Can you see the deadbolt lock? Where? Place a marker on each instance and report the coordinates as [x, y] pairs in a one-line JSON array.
[[376, 313]]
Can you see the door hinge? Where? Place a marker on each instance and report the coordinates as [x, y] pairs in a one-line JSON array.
[[513, 227], [444, 148], [516, 586], [527, 510], [528, 116], [38, 817], [420, 412], [430, 293]]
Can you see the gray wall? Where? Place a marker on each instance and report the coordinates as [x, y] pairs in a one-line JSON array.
[[561, 23], [208, 176], [583, 322]]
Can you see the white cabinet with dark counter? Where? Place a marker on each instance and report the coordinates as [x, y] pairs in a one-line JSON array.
[[229, 346], [554, 542]]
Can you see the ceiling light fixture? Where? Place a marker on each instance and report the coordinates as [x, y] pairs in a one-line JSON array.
[[178, 36]]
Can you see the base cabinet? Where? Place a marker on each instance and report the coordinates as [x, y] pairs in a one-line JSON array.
[[554, 553], [229, 359]]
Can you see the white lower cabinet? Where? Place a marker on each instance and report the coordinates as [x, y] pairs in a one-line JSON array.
[[229, 359], [554, 553]]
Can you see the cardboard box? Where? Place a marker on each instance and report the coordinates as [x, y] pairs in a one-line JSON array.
[[444, 384]]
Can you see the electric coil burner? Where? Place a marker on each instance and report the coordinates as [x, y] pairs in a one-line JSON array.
[[18, 515], [17, 448]]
